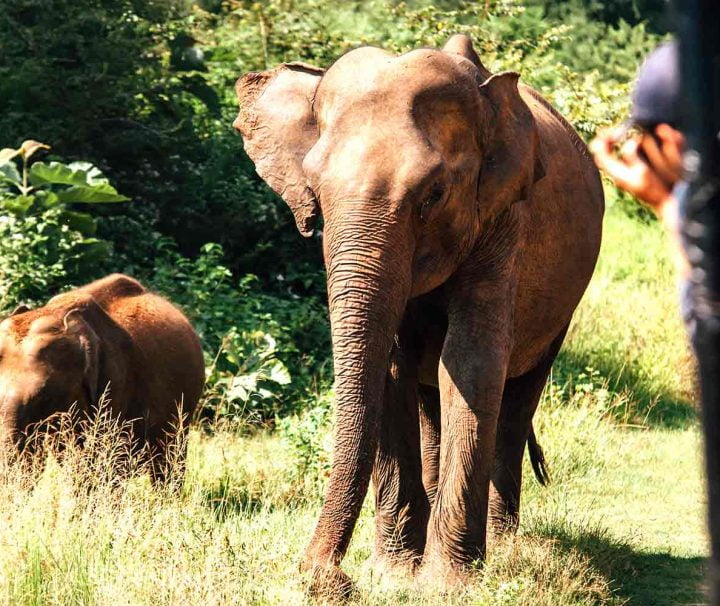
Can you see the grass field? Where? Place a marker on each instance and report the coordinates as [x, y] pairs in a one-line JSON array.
[[622, 520]]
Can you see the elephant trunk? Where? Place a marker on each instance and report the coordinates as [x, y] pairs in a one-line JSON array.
[[368, 266]]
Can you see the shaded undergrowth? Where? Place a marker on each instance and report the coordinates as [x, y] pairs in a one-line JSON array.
[[642, 577]]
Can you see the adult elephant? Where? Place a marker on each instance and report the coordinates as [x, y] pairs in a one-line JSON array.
[[462, 224]]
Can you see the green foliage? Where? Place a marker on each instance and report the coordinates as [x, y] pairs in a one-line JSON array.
[[308, 437], [45, 243], [147, 94], [255, 343], [656, 13], [49, 184]]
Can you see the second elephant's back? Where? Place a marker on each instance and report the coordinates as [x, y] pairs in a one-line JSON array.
[[167, 355]]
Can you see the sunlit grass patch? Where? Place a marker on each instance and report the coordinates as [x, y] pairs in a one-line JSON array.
[[137, 545], [628, 330]]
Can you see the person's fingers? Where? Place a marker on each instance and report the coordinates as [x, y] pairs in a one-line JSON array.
[[632, 174], [658, 161], [599, 146], [617, 169], [665, 132], [602, 143], [608, 137], [628, 169], [629, 151], [672, 143]]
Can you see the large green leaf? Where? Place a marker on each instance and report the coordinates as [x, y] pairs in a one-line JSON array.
[[94, 174], [18, 205], [94, 194], [82, 222], [56, 173]]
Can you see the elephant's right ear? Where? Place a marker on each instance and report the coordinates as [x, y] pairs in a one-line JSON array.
[[278, 127]]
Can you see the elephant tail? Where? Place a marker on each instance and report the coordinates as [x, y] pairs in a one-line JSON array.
[[537, 459]]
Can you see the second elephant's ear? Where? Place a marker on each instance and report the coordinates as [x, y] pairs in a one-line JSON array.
[[20, 309], [76, 324], [279, 128], [512, 159]]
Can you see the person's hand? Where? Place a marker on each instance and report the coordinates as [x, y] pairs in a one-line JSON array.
[[650, 179]]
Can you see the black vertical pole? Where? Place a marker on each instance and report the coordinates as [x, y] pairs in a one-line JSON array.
[[699, 30]]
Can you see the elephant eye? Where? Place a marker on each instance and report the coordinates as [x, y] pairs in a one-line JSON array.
[[434, 197]]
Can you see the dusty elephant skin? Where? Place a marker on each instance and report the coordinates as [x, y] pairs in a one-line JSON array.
[[462, 225], [111, 334]]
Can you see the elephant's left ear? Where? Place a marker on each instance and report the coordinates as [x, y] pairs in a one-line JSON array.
[[512, 161], [20, 309], [76, 324], [279, 128]]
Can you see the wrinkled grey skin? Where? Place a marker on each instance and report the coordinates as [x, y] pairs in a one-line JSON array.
[[462, 224]]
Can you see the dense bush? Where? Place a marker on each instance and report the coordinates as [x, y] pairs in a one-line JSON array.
[[265, 354], [46, 242], [126, 86], [254, 342], [143, 89]]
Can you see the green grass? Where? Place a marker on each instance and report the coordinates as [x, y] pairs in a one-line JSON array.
[[621, 522], [628, 327]]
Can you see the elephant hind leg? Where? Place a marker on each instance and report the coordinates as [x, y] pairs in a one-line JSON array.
[[520, 400], [429, 405]]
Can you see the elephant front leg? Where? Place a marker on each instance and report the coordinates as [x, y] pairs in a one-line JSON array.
[[401, 505], [471, 377]]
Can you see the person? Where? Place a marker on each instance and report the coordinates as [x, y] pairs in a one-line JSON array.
[[677, 175], [649, 164], [644, 156]]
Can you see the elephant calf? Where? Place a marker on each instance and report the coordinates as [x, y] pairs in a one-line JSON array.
[[109, 335]]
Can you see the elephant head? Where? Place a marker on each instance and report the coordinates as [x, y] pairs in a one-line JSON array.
[[406, 158], [50, 359]]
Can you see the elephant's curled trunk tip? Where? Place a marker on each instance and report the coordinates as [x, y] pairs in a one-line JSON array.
[[537, 459]]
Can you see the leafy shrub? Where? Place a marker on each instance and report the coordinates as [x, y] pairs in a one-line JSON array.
[[308, 436], [265, 354], [147, 94], [45, 243]]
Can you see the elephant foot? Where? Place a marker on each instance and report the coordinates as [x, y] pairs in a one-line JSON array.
[[502, 526], [328, 584], [437, 575], [396, 566]]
